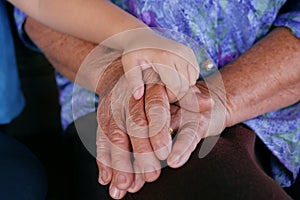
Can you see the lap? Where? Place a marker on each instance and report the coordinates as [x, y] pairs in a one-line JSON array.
[[22, 175], [229, 171]]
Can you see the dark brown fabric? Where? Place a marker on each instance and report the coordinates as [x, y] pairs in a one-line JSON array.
[[229, 171]]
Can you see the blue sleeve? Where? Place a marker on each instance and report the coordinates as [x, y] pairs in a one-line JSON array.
[[12, 100], [290, 17], [20, 18]]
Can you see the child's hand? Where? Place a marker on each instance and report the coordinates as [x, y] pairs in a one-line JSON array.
[[175, 63]]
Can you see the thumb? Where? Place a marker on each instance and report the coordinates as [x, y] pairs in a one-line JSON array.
[[134, 76]]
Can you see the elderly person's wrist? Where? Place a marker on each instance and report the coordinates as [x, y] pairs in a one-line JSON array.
[[64, 52], [109, 77]]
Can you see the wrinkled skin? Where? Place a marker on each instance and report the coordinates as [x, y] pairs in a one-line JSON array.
[[133, 135]]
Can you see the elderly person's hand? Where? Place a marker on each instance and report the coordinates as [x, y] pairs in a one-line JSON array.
[[142, 126], [192, 126], [123, 125]]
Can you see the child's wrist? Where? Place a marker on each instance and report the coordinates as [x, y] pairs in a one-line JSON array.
[[129, 39]]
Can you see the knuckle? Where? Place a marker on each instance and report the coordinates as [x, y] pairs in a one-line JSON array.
[[150, 76], [102, 145], [118, 137], [136, 130], [157, 128], [102, 159], [141, 146], [137, 121], [160, 142]]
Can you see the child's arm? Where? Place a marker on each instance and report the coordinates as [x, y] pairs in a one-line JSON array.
[[92, 20], [101, 21]]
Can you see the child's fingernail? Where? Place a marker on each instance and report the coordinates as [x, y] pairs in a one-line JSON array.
[[138, 93]]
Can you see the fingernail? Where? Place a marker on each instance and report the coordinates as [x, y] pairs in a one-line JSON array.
[[174, 159], [114, 192], [100, 180], [103, 177], [138, 93], [136, 185], [132, 187], [148, 174]]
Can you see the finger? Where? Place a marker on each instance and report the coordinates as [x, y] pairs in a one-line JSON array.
[[116, 193], [175, 117], [181, 53], [150, 76], [186, 74], [138, 180], [187, 139], [170, 78], [133, 74], [120, 156], [194, 74], [103, 144], [195, 101], [157, 110], [181, 67], [103, 158], [137, 128], [193, 67]]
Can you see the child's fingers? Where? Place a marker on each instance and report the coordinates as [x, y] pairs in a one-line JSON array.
[[188, 72], [176, 73], [133, 74], [171, 79], [194, 74]]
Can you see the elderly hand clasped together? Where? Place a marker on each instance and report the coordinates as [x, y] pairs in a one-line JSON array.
[[133, 134]]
